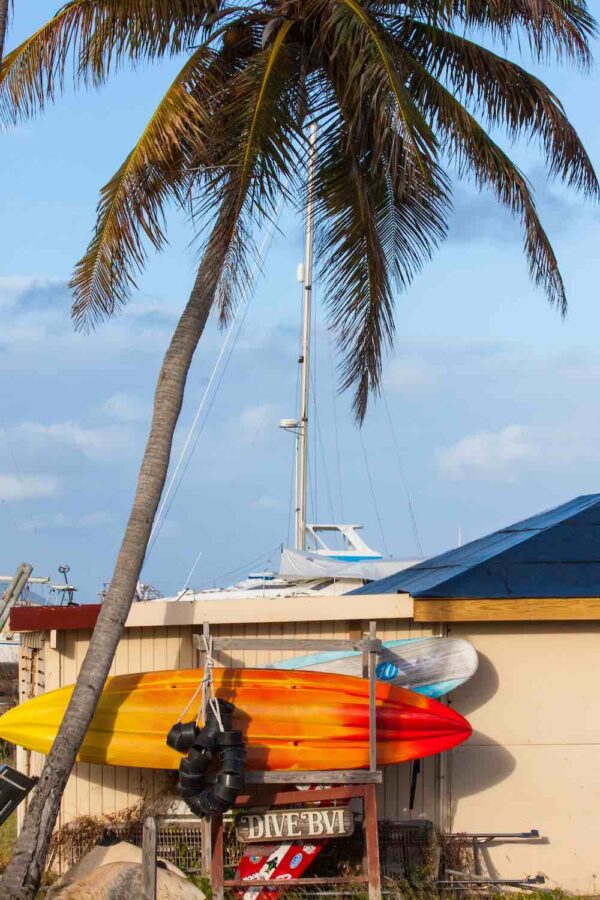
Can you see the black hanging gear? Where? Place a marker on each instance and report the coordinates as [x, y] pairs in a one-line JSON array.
[[201, 745], [182, 736]]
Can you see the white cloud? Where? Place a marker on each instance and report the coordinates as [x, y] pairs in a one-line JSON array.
[[12, 286], [404, 375], [490, 454], [126, 408], [100, 444], [60, 520], [27, 487]]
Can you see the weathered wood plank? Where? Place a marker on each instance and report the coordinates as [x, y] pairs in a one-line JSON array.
[[291, 644], [579, 609], [294, 824], [285, 885], [337, 776], [275, 643], [262, 796], [149, 840], [206, 842], [371, 864], [218, 853]]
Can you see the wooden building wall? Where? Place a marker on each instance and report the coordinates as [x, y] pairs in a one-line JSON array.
[[100, 790]]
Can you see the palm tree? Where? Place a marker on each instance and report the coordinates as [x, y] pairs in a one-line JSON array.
[[402, 96], [3, 25]]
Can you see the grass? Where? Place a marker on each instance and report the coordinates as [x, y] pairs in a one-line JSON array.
[[8, 836]]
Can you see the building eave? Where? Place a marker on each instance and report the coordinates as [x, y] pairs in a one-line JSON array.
[[516, 609], [156, 613]]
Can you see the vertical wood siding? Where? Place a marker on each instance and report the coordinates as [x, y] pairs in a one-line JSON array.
[[32, 681], [99, 790]]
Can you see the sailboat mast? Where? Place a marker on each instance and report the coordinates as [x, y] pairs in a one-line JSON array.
[[301, 477]]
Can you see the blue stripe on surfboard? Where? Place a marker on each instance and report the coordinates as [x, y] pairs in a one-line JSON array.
[[439, 688], [315, 659]]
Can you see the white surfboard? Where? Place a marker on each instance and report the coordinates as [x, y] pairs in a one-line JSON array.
[[430, 666]]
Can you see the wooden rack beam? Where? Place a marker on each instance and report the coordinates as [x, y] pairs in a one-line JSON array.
[[334, 776], [364, 645], [348, 879]]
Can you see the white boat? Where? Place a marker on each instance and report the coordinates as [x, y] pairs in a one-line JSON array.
[[311, 571]]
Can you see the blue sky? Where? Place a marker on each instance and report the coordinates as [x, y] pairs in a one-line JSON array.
[[493, 396]]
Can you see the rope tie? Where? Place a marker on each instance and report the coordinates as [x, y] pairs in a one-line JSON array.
[[207, 684], [206, 687]]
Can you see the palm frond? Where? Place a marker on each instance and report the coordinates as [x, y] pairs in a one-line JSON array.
[[373, 72], [260, 133], [376, 228], [132, 203], [93, 37], [552, 28], [478, 156], [352, 255], [506, 94]]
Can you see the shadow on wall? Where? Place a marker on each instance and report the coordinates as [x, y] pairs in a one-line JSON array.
[[478, 765], [479, 690]]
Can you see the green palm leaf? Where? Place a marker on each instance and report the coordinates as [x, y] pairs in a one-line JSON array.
[[504, 93], [260, 158], [397, 91], [476, 154], [95, 36], [551, 27], [132, 204]]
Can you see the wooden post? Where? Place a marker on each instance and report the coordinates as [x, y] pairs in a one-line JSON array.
[[371, 858], [217, 859], [205, 827], [206, 840], [149, 859], [14, 591], [372, 697], [203, 659]]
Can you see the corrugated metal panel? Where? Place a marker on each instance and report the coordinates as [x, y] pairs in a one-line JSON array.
[[553, 554]]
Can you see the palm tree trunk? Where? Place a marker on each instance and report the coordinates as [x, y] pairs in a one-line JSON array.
[[24, 871], [3, 24]]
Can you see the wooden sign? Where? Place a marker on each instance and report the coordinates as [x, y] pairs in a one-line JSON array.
[[292, 824]]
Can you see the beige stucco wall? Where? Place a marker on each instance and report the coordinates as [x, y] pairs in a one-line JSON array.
[[534, 758]]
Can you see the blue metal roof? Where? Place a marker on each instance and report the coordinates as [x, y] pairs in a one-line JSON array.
[[553, 554]]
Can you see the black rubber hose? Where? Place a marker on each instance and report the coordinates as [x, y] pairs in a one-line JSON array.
[[201, 745]]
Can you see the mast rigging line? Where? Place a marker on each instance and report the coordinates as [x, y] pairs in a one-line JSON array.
[[335, 428], [411, 512], [373, 495], [292, 512], [321, 445], [202, 424], [264, 557], [174, 483]]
